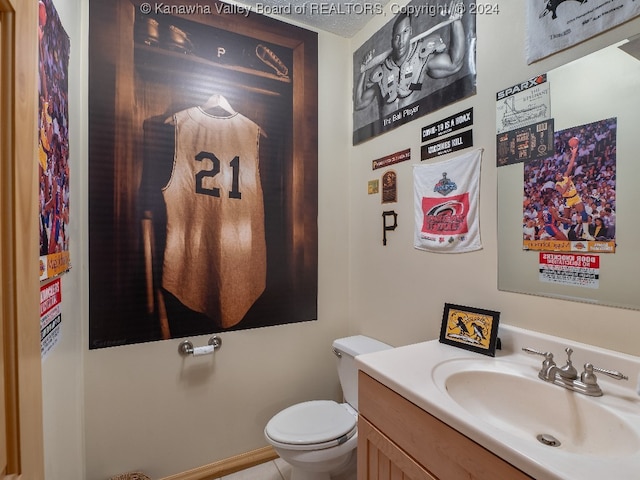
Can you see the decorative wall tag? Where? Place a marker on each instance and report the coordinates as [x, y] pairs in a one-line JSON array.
[[387, 228], [392, 159], [526, 143], [389, 187], [447, 145], [455, 122]]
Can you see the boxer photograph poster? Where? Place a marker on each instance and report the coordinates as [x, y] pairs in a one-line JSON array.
[[420, 61], [202, 197]]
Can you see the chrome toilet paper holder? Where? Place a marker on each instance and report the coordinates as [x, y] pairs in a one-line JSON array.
[[186, 347]]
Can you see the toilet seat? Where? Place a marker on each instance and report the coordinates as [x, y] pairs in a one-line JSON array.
[[312, 425]]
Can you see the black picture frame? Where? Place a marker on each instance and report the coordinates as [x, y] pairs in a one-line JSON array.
[[470, 328]]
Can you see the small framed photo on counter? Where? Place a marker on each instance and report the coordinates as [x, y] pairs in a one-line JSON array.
[[470, 328]]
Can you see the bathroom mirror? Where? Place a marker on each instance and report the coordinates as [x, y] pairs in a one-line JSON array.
[[602, 85]]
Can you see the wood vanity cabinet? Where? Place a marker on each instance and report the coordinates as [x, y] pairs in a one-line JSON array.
[[397, 440]]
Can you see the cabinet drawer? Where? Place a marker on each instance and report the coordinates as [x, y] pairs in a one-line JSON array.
[[443, 451]]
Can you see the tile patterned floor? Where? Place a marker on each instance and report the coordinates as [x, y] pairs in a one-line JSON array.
[[275, 470]]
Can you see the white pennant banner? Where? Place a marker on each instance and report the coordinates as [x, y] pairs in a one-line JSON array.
[[554, 25], [446, 204]]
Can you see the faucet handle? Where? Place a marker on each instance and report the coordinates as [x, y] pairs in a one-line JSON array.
[[590, 381], [537, 352], [547, 372], [548, 356], [611, 373]]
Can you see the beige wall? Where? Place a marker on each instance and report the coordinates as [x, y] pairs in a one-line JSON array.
[[397, 292], [144, 407], [148, 408], [62, 369]]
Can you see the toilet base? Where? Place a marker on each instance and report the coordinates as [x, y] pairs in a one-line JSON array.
[[347, 471]]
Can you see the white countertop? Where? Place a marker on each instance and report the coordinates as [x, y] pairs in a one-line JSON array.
[[408, 370]]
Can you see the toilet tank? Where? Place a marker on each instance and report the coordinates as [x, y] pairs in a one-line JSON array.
[[347, 349]]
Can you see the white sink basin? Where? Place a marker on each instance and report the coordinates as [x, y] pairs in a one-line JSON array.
[[501, 404], [509, 397]]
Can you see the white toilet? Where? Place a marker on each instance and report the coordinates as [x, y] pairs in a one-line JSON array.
[[319, 438]]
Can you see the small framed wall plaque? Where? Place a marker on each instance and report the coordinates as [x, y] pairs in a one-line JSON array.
[[470, 328], [389, 187]]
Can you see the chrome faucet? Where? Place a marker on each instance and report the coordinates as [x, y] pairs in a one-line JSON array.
[[568, 372], [567, 376]]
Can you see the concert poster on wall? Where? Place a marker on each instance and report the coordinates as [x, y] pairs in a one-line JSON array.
[[420, 61], [53, 142], [202, 194], [570, 197]]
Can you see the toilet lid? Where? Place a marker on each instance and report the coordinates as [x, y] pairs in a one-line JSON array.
[[313, 422]]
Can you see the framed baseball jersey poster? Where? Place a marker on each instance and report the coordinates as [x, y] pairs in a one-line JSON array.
[[198, 179]]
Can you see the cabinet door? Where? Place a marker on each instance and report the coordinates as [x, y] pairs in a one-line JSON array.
[[381, 459], [445, 452]]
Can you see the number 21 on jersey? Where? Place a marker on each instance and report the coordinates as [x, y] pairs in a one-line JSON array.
[[215, 170]]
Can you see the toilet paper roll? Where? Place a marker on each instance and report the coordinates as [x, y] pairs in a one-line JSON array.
[[206, 350]]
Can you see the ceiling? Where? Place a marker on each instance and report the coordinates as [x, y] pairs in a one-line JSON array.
[[341, 17]]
